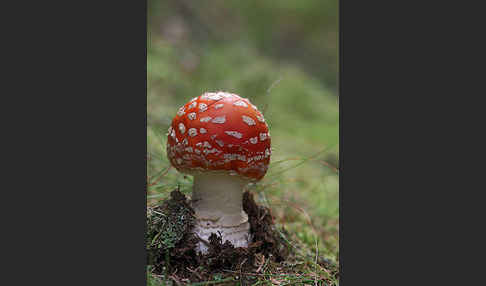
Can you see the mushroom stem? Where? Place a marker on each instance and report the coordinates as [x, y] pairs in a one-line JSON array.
[[217, 201]]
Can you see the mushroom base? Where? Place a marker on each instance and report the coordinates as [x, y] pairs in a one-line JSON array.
[[217, 202], [238, 235]]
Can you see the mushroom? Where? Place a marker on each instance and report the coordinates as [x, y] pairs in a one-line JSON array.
[[223, 141]]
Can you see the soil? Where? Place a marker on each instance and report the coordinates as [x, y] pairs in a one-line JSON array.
[[170, 244]]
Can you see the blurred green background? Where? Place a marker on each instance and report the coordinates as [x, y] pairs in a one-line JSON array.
[[283, 56]]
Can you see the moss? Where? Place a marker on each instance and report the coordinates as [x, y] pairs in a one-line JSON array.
[[167, 224]]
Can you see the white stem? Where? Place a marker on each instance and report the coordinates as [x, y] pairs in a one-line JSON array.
[[217, 201]]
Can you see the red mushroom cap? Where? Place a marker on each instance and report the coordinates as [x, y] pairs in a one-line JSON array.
[[220, 132]]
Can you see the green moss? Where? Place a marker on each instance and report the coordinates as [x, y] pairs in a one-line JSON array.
[[167, 224]]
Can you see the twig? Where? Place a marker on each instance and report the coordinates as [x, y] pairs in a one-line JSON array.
[[195, 272], [241, 264], [212, 282], [263, 215], [263, 274], [173, 277], [261, 265]]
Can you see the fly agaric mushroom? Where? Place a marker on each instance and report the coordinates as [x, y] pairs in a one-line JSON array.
[[223, 141]]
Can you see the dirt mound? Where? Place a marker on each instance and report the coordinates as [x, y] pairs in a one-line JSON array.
[[170, 243]]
